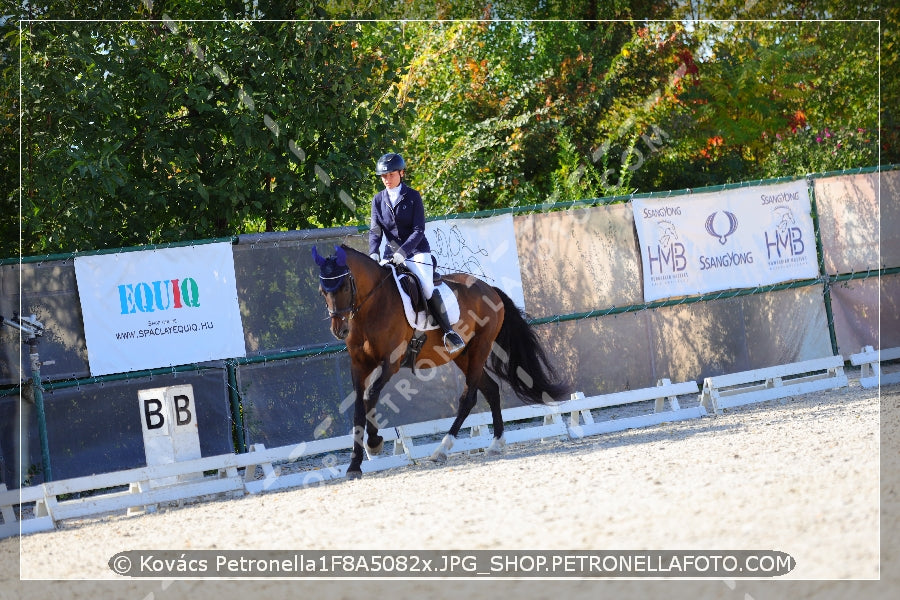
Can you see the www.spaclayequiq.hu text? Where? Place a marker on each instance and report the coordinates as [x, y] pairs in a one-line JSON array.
[[452, 563]]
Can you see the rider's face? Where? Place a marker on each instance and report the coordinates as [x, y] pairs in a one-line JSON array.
[[392, 179]]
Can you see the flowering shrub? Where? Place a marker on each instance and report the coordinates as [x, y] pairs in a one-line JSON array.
[[809, 150]]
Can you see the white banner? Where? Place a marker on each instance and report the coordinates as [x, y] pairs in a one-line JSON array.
[[485, 248], [741, 238], [159, 308]]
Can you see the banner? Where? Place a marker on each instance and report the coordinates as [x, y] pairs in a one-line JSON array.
[[741, 238], [159, 308], [485, 248]]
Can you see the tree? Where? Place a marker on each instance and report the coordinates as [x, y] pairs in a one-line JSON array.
[[9, 139], [147, 132], [835, 67], [503, 108], [161, 129]]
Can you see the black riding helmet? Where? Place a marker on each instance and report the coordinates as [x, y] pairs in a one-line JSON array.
[[388, 163]]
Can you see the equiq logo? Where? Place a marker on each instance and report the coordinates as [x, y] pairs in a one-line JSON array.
[[159, 295]]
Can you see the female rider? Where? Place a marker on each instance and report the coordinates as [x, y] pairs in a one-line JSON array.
[[398, 214]]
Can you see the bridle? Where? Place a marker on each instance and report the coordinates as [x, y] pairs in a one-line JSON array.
[[348, 312], [352, 308]]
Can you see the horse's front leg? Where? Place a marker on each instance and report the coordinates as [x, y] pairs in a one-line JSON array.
[[368, 386], [354, 470], [379, 378]]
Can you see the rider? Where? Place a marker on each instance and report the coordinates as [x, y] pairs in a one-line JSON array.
[[399, 215]]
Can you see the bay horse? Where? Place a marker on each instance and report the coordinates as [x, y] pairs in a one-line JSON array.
[[366, 312]]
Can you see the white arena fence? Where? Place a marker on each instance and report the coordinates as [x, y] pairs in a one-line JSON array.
[[40, 508]]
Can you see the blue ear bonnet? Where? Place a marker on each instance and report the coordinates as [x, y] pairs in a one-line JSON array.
[[332, 270], [332, 275]]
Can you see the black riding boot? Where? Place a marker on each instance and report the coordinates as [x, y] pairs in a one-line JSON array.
[[452, 341]]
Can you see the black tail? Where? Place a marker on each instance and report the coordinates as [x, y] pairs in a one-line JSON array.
[[521, 360]]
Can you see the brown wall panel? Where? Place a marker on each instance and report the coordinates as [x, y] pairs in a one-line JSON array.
[[786, 326], [890, 219], [890, 311], [579, 260], [603, 354], [694, 341], [849, 222], [855, 305]]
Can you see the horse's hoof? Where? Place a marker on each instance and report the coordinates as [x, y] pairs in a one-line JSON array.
[[351, 475], [376, 450], [497, 446], [440, 454]]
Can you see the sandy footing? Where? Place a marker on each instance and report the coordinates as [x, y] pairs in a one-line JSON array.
[[800, 476]]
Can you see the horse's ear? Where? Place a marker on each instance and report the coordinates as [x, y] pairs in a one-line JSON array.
[[340, 256], [316, 257]]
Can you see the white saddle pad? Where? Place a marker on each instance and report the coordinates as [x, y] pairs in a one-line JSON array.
[[420, 319]]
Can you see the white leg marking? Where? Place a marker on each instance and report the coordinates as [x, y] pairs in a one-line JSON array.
[[440, 454], [497, 446]]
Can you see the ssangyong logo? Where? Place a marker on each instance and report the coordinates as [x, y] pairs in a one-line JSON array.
[[162, 295], [721, 229], [713, 229]]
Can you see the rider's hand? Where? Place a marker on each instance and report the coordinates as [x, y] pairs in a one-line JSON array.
[[399, 259], [374, 256]]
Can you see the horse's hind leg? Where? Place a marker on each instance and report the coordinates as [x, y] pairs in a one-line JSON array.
[[466, 403], [490, 389]]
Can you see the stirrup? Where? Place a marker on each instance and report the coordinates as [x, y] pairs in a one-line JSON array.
[[453, 343]]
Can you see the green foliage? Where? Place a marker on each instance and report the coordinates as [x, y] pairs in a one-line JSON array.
[[156, 128], [810, 151], [501, 108], [755, 86], [138, 132]]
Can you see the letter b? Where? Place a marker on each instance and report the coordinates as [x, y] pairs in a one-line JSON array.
[[182, 411], [153, 417]]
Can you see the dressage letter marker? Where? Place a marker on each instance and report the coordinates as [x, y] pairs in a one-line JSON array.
[[169, 425]]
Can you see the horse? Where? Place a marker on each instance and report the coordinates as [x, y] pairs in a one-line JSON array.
[[366, 312]]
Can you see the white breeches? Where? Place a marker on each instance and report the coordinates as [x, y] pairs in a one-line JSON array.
[[421, 265]]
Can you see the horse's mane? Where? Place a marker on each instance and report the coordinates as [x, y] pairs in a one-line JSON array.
[[351, 249], [362, 259]]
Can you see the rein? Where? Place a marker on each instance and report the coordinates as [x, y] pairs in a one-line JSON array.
[[449, 270]]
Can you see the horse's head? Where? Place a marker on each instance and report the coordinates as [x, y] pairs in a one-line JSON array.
[[337, 286]]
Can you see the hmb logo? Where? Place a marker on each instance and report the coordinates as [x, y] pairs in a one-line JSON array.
[[670, 256], [159, 295], [787, 238]]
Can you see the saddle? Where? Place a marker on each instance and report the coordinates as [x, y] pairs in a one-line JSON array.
[[413, 287]]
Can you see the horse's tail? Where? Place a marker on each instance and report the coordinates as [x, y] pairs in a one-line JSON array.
[[519, 358]]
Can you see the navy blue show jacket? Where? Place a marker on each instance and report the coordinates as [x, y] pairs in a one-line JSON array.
[[403, 225]]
